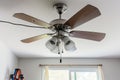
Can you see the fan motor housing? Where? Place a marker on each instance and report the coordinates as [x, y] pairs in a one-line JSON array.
[[58, 21], [58, 25]]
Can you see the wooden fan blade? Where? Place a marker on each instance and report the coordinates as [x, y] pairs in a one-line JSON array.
[[88, 35], [35, 38], [31, 19], [87, 13]]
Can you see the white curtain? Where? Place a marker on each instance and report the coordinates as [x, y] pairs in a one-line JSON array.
[[100, 73], [45, 73]]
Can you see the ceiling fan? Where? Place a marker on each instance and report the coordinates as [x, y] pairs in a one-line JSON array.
[[62, 28]]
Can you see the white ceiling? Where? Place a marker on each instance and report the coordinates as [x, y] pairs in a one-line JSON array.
[[107, 23]]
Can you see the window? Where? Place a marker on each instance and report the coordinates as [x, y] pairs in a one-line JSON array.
[[73, 73], [83, 76], [58, 75]]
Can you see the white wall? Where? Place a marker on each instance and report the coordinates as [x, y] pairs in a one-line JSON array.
[[8, 62], [31, 70]]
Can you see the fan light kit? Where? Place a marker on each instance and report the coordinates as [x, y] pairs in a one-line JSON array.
[[62, 28], [60, 38]]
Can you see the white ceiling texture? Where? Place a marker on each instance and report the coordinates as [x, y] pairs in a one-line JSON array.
[[108, 22]]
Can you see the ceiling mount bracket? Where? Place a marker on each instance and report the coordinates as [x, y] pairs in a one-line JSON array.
[[60, 7]]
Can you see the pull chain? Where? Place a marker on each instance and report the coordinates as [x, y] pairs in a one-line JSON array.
[[59, 52], [58, 43], [60, 57]]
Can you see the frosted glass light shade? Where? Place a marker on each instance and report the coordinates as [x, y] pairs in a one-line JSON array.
[[69, 45], [51, 44], [55, 50]]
